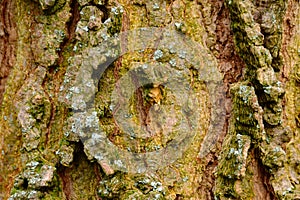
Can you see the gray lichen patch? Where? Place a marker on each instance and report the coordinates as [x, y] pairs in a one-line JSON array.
[[139, 187], [34, 177], [34, 109], [158, 14], [87, 28], [266, 76], [272, 93], [114, 22], [31, 139], [46, 4], [21, 194], [93, 16], [39, 176], [66, 154]]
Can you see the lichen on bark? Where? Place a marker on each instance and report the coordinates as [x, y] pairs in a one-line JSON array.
[[73, 54], [142, 53]]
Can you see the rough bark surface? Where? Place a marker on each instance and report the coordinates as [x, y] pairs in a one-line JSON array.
[[89, 90]]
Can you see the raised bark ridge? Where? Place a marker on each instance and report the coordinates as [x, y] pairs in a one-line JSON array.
[[257, 128]]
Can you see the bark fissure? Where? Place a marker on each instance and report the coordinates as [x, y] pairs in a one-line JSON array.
[[231, 65], [64, 174], [65, 45], [262, 187], [70, 27]]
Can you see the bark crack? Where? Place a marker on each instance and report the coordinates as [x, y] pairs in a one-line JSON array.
[[70, 28], [232, 66]]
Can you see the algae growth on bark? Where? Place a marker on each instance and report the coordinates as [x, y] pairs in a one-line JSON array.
[[163, 99]]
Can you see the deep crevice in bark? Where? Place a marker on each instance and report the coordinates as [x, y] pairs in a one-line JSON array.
[[262, 187], [231, 65], [64, 47], [64, 175], [104, 9], [70, 183]]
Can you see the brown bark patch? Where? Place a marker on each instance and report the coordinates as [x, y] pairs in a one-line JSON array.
[[289, 28], [8, 38], [64, 174], [262, 188]]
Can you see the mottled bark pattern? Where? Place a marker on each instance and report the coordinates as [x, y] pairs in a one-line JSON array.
[[48, 45]]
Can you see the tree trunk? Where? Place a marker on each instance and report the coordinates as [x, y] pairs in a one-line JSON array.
[[174, 99]]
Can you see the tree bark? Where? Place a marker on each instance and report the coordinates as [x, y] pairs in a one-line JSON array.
[[174, 99]]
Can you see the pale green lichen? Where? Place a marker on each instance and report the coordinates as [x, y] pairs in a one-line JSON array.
[[247, 112], [233, 162]]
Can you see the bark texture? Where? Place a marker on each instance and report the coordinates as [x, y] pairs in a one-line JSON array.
[[174, 99]]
